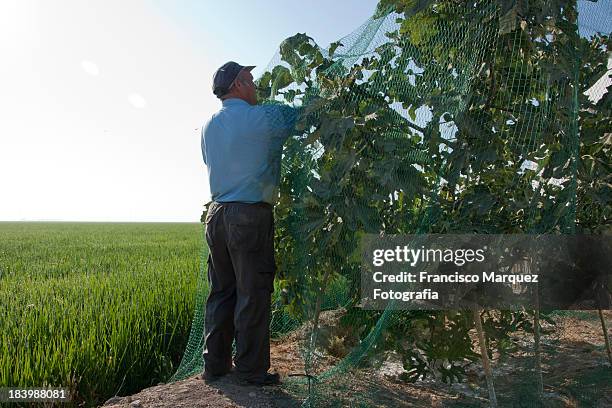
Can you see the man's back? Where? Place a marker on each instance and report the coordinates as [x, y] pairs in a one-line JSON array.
[[242, 146]]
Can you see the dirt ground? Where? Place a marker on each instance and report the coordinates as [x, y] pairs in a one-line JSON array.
[[576, 373]]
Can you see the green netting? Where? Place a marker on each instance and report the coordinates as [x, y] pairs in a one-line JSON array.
[[432, 117]]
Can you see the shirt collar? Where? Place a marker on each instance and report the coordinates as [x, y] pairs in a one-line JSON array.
[[234, 101]]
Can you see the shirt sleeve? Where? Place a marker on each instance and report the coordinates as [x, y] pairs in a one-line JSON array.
[[203, 145], [281, 120]]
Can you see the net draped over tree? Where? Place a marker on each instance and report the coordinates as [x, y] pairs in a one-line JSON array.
[[448, 116]]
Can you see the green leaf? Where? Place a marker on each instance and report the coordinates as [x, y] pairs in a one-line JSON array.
[[508, 22], [333, 47], [281, 77], [412, 113]]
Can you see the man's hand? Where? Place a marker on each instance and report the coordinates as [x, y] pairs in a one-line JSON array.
[[312, 103]]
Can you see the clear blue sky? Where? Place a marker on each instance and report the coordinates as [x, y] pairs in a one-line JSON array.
[[594, 16], [250, 31], [102, 100]]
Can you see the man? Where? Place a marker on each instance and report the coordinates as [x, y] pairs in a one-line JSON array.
[[242, 147]]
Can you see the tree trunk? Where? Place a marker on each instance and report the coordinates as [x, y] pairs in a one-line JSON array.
[[536, 340], [485, 359], [538, 356], [605, 333]]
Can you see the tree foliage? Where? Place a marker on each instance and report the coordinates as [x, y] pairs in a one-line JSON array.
[[470, 118]]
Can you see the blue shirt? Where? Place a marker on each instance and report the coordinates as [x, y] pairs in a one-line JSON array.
[[242, 146]]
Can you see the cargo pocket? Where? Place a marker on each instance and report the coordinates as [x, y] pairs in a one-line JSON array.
[[266, 265], [266, 281], [265, 276]]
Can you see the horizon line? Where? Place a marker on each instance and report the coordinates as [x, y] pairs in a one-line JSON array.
[[94, 221]]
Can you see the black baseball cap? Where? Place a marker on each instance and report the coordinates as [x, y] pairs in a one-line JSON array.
[[225, 75]]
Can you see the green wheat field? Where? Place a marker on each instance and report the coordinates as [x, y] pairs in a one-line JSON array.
[[100, 308]]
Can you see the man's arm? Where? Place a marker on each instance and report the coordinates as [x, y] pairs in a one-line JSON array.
[[281, 120]]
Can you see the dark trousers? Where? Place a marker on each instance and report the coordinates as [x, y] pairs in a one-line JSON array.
[[241, 272]]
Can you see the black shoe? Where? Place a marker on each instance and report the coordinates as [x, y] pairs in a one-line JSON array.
[[210, 377], [269, 379]]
